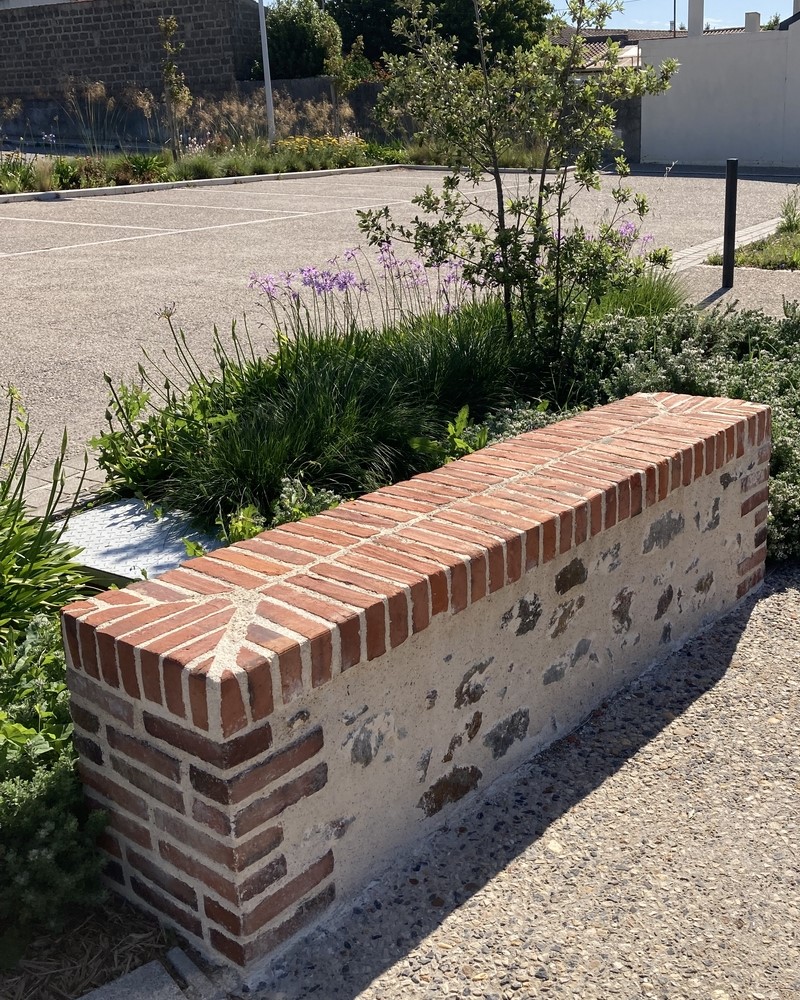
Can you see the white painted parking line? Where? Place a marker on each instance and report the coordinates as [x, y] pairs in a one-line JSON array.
[[199, 229], [132, 203], [90, 225]]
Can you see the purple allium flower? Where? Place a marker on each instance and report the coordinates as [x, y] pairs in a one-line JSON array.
[[344, 279], [308, 276], [627, 230], [350, 254], [387, 258], [266, 283]]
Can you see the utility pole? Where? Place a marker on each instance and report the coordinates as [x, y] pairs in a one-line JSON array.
[[267, 77], [674, 18]]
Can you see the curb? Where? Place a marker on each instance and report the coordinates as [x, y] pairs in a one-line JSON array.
[[104, 192]]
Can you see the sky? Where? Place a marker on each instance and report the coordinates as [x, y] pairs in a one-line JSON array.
[[720, 13]]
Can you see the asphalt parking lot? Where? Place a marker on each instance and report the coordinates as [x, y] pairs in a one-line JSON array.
[[84, 279]]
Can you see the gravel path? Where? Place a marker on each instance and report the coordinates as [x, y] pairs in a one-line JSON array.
[[655, 853]]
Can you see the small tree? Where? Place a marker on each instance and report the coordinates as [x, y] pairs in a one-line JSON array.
[[773, 23], [302, 38], [177, 96], [518, 242]]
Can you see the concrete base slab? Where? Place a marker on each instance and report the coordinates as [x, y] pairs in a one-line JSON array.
[[125, 539], [151, 981]]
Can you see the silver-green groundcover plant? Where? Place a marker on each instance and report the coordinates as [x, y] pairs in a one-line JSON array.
[[519, 240]]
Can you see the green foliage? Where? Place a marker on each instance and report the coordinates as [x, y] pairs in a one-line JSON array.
[[651, 293], [457, 441], [780, 252], [176, 96], [772, 24], [744, 355], [297, 500], [302, 38], [49, 867], [35, 725], [37, 569], [548, 272], [790, 213], [511, 23]]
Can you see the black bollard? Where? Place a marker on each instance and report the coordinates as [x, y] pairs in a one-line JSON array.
[[729, 239]]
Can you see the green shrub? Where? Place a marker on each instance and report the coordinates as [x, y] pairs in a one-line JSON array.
[[652, 293], [35, 724], [37, 569], [744, 355], [49, 867], [302, 38]]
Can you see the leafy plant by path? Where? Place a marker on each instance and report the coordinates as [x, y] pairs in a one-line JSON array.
[[779, 252]]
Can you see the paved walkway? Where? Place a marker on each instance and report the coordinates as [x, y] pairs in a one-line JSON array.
[[655, 853]]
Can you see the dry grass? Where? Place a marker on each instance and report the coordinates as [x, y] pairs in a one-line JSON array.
[[90, 953]]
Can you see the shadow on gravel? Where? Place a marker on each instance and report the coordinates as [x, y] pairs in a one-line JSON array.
[[393, 916]]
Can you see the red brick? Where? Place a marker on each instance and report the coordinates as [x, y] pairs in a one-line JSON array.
[[197, 679], [265, 808], [151, 679], [69, 628], [296, 540], [255, 562], [215, 819], [126, 661], [395, 505], [208, 876], [194, 583], [122, 824], [169, 883], [107, 659], [288, 894], [222, 755], [317, 634], [374, 609], [106, 842], [221, 571], [458, 587], [151, 786], [259, 683], [287, 650], [88, 647], [320, 530], [749, 582], [115, 793], [345, 618], [418, 559], [172, 674], [83, 719], [232, 790], [90, 691], [352, 520], [236, 858], [157, 591], [755, 500], [761, 515], [232, 710], [745, 566], [308, 911], [155, 759], [167, 907], [280, 553]]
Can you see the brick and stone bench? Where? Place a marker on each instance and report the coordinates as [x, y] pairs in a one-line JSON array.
[[267, 725]]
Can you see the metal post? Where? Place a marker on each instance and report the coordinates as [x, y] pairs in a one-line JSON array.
[[729, 239], [267, 77]]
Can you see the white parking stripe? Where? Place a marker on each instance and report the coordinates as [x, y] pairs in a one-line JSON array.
[[199, 229], [91, 225]]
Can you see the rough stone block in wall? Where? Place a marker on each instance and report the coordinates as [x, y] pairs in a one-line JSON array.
[[269, 724], [119, 43]]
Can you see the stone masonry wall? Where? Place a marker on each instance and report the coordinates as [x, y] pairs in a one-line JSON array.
[[269, 724], [118, 42]]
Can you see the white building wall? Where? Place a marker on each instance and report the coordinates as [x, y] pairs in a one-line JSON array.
[[734, 95]]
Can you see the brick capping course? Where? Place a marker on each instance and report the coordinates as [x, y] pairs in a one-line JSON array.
[[178, 683]]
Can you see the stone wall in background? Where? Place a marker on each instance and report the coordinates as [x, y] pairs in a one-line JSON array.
[[118, 42]]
